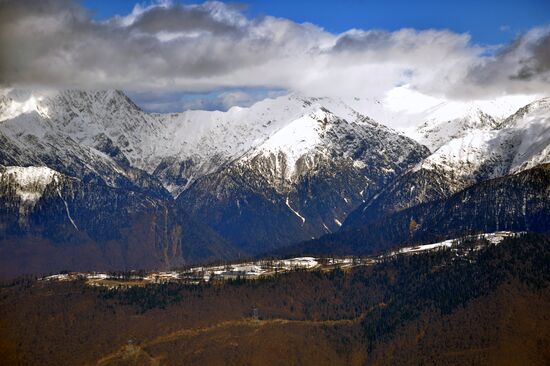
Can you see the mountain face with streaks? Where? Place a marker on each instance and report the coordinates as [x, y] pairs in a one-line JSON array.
[[302, 181], [80, 134]]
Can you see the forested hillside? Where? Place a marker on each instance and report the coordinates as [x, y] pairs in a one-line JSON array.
[[397, 312]]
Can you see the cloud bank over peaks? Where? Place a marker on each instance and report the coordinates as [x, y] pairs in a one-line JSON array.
[[167, 47]]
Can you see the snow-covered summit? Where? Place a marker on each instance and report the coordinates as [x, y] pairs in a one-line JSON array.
[[532, 124], [455, 119], [519, 142], [176, 147], [318, 133], [433, 121], [104, 131], [294, 140]]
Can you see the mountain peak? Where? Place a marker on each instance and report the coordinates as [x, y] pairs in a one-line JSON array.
[[539, 106], [87, 100]]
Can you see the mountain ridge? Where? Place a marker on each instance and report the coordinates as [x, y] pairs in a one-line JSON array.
[[285, 170]]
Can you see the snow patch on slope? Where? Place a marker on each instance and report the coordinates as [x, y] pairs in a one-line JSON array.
[[295, 212], [30, 181], [494, 238], [66, 209]]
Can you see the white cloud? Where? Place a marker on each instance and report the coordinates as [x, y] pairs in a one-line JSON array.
[[213, 46]]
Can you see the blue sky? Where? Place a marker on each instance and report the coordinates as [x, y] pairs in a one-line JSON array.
[[489, 21]]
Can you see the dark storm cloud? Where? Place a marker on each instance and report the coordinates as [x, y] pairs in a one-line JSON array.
[[523, 66], [539, 62]]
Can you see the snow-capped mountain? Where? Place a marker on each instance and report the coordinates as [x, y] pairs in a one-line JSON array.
[[303, 162], [284, 170], [434, 121], [518, 142], [303, 180], [210, 140], [451, 120], [521, 141], [78, 134], [104, 133], [532, 124]]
